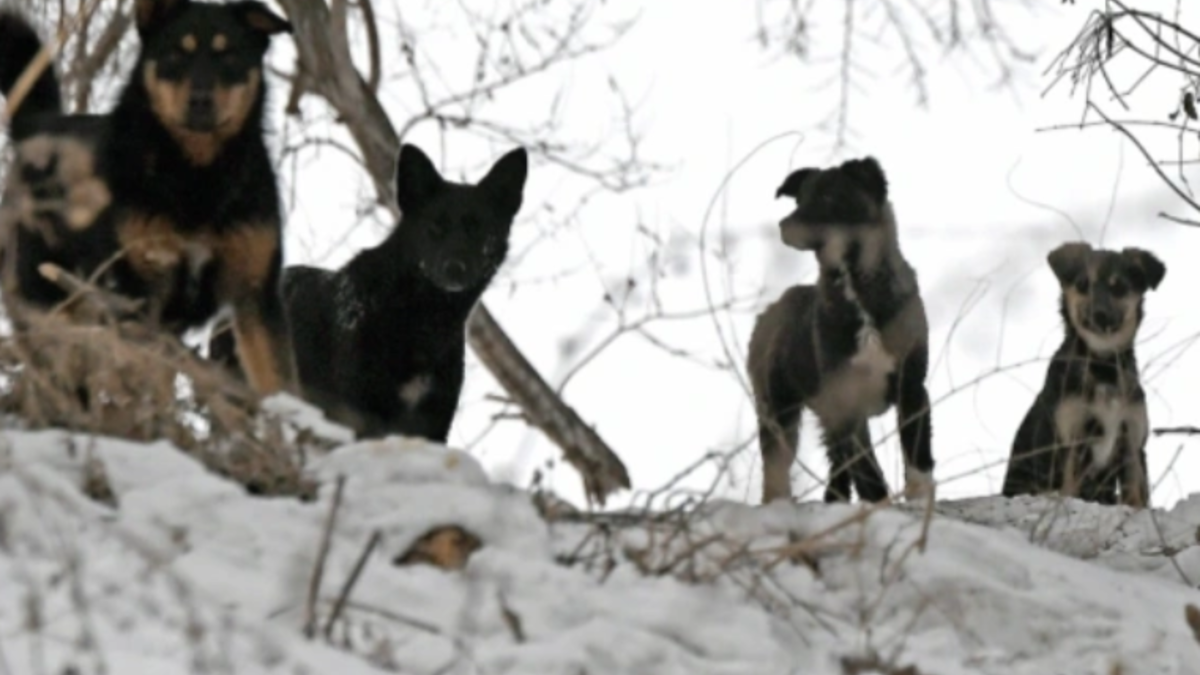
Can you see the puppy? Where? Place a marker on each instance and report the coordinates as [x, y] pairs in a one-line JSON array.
[[1086, 432], [848, 348], [381, 343]]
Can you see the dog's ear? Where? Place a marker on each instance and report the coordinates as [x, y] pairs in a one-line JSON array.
[[1145, 266], [795, 180], [260, 18], [1069, 260], [869, 175], [152, 14], [417, 179], [506, 181]]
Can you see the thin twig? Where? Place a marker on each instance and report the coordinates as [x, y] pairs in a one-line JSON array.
[[314, 583], [102, 300], [348, 587], [1146, 153], [1177, 431]]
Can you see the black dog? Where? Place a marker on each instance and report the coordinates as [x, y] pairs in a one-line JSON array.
[[1086, 432], [171, 197], [848, 348], [381, 343]]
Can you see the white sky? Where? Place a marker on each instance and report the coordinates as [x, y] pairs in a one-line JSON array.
[[707, 96]]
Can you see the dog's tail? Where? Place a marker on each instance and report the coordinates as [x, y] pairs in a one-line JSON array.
[[19, 46]]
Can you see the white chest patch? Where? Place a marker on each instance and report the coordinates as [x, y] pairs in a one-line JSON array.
[[415, 390], [857, 389], [197, 256], [1109, 410], [872, 360]]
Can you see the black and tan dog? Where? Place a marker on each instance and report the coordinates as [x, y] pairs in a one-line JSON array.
[[1086, 432], [170, 198], [848, 348]]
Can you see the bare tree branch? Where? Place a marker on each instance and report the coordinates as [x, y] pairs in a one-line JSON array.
[[326, 69], [1122, 39], [85, 68], [602, 471], [374, 73], [925, 31]]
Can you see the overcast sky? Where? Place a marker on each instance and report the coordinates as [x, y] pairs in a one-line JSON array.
[[963, 174]]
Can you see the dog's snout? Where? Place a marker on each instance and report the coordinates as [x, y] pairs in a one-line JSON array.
[[1105, 317], [202, 109], [202, 99], [455, 271]]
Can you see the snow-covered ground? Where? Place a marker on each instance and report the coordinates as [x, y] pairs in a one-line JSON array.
[[176, 570]]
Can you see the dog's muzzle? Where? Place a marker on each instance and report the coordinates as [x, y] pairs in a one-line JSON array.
[[202, 111], [1105, 319]]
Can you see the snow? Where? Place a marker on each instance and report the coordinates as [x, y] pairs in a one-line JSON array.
[[183, 572]]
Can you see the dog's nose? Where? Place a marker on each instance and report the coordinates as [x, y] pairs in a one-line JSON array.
[[1105, 318], [455, 271], [202, 109]]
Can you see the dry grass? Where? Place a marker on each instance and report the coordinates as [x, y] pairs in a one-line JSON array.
[[125, 380]]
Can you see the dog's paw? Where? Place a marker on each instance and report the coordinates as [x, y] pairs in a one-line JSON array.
[[918, 485]]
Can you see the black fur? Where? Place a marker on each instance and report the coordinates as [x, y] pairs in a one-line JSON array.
[[1092, 384], [394, 318], [805, 347], [19, 44], [201, 179]]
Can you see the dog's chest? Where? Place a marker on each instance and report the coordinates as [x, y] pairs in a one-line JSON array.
[[858, 386], [1107, 418], [157, 249], [872, 361], [1108, 410], [414, 390]]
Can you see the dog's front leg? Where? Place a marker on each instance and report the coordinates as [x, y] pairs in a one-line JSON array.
[[251, 264], [778, 437], [1135, 476], [915, 422], [852, 461], [840, 482], [1135, 479]]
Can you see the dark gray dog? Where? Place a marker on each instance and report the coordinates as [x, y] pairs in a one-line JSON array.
[[848, 348]]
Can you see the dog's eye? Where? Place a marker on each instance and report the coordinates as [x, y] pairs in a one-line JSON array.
[[1119, 289], [1082, 284]]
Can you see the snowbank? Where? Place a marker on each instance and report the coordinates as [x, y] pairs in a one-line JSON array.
[[180, 572]]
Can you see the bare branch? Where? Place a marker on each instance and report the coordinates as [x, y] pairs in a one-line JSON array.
[[924, 30], [1177, 431], [86, 67], [374, 73], [602, 471], [1156, 46], [326, 68]]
